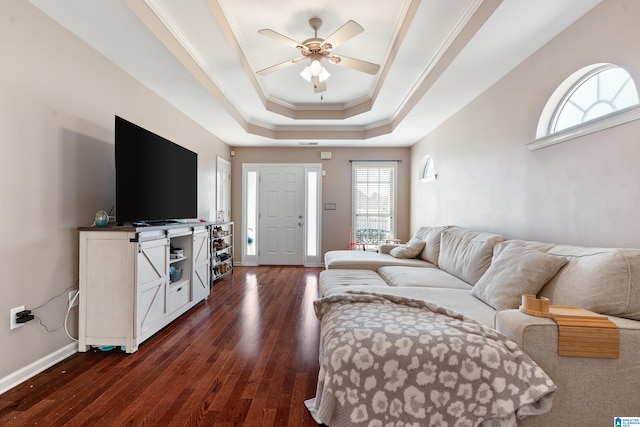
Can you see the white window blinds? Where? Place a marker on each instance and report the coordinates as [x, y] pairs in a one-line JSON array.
[[374, 201]]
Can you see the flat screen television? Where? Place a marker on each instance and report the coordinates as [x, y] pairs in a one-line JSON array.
[[156, 179]]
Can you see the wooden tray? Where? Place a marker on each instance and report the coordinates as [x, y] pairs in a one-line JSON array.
[[571, 312], [581, 333]]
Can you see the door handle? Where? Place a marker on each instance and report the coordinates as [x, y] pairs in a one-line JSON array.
[[301, 224]]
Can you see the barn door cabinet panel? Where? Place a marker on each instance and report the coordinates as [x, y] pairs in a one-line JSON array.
[[201, 278], [136, 280], [151, 286]]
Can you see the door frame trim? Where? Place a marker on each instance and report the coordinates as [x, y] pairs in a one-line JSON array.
[[220, 163], [307, 260]]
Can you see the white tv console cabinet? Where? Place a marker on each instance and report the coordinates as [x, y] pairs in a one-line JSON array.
[[126, 292]]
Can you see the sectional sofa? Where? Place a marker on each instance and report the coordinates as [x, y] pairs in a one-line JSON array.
[[483, 275]]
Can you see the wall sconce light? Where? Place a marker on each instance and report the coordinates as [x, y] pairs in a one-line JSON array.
[[428, 170]]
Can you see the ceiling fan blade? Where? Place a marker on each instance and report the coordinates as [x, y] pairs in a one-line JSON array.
[[318, 86], [355, 64], [277, 36], [277, 67], [342, 34]]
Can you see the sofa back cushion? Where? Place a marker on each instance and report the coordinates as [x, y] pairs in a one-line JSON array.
[[603, 280], [515, 271], [431, 237], [466, 253]]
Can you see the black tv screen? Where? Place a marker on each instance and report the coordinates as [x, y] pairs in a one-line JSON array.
[[156, 179]]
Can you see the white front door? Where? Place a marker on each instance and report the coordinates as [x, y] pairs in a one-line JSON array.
[[281, 215]]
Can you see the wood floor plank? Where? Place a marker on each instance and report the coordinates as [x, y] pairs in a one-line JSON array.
[[70, 378], [296, 413], [248, 355]]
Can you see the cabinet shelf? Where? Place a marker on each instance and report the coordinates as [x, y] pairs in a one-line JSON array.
[[222, 251], [177, 284]]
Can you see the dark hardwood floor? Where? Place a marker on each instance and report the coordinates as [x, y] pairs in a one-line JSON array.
[[246, 356]]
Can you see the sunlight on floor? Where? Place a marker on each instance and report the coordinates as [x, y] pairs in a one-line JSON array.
[[308, 333], [250, 317]]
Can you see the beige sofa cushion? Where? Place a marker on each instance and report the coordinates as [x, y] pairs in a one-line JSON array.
[[342, 280], [603, 280], [466, 253], [458, 300], [366, 260], [431, 237], [421, 277], [515, 271], [411, 249]]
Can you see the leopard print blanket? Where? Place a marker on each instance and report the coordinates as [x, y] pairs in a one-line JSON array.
[[393, 361]]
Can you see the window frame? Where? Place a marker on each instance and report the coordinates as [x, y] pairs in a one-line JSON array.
[[548, 118], [393, 191]]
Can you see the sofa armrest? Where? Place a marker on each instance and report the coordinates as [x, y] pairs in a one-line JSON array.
[[538, 336], [530, 332], [385, 248], [597, 389]]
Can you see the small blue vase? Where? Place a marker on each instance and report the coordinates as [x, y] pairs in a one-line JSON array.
[[102, 219]]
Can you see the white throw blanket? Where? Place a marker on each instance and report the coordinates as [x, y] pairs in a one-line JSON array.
[[388, 361]]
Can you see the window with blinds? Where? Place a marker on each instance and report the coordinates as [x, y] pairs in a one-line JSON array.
[[374, 201]]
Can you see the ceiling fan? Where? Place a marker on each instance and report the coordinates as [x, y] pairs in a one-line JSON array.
[[315, 49]]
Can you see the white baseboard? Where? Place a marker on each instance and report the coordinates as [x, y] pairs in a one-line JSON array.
[[36, 367]]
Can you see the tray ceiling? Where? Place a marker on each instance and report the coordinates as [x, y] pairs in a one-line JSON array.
[[435, 56]]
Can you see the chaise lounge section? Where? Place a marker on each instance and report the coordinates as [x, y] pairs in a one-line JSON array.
[[483, 276]]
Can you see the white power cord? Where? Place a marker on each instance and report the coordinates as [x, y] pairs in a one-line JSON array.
[[66, 317]]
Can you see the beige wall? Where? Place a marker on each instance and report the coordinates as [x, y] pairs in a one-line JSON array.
[[58, 99], [585, 191], [57, 102], [336, 184]]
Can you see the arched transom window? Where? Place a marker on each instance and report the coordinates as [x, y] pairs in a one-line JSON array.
[[594, 98], [598, 93]]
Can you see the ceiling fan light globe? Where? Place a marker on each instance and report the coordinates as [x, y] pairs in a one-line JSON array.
[[324, 74], [306, 74], [315, 68]]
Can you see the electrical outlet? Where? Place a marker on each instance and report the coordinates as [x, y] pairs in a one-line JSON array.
[[14, 324], [72, 294]]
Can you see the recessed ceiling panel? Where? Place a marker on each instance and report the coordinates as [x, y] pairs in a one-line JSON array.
[[202, 56], [344, 85]]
